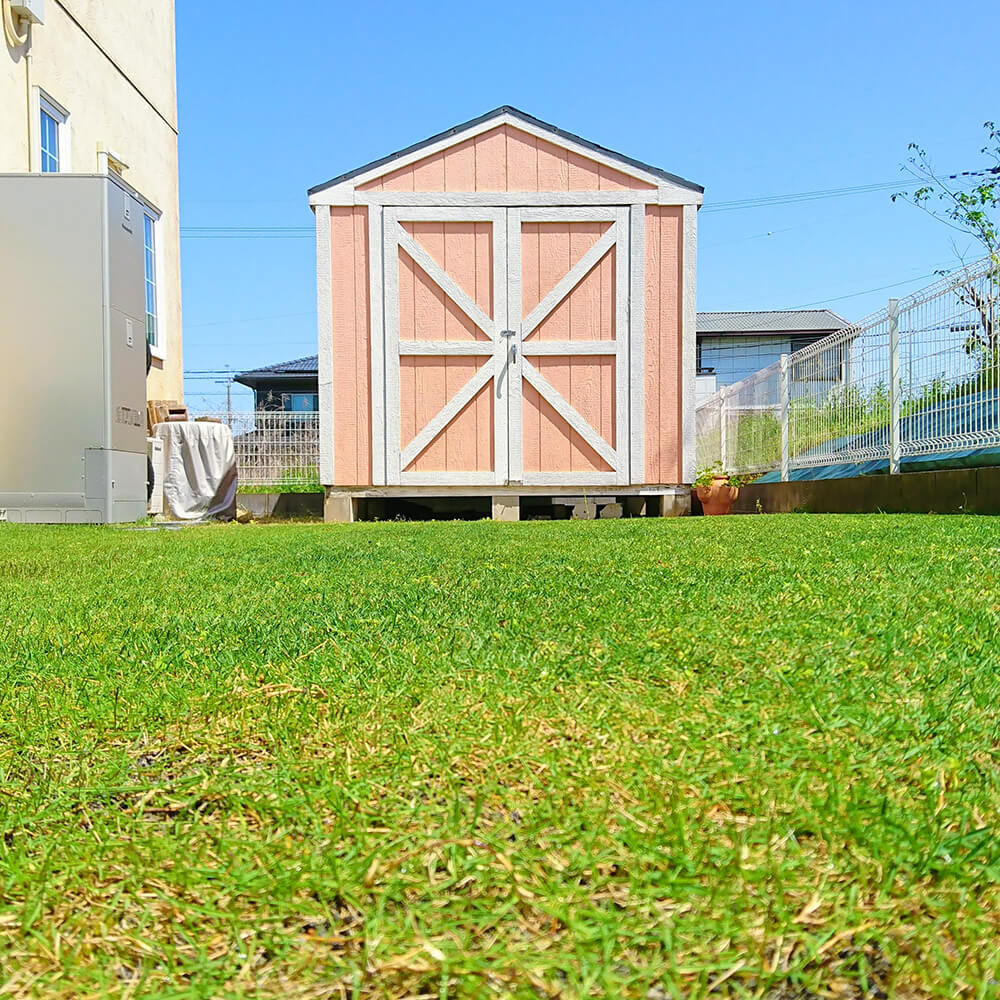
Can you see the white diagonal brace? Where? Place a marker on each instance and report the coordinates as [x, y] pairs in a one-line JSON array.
[[439, 276], [582, 268], [447, 414], [549, 393]]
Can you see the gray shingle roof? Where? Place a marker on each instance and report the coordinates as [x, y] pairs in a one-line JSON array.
[[771, 321], [525, 117]]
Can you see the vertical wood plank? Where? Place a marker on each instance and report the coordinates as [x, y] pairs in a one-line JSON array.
[[460, 167], [553, 167], [689, 262], [344, 345], [491, 160], [522, 161], [583, 174], [363, 348]]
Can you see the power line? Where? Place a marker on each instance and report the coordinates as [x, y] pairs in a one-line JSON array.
[[868, 291], [761, 201], [253, 319]]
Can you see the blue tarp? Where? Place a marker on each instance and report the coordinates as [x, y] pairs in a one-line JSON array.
[[948, 418]]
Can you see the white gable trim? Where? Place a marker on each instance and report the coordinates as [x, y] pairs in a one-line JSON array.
[[666, 193]]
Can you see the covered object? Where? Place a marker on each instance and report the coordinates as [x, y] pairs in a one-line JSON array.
[[505, 308]]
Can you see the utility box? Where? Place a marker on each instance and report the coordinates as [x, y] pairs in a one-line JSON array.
[[73, 344], [33, 10]]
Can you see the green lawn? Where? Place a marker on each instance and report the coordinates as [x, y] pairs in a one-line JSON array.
[[750, 756]]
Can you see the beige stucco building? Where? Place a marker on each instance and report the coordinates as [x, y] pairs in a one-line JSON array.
[[88, 86]]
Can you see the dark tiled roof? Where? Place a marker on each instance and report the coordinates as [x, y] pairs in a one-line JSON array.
[[299, 368], [771, 321], [528, 119]]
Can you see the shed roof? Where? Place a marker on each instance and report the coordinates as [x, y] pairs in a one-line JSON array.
[[771, 321], [523, 116]]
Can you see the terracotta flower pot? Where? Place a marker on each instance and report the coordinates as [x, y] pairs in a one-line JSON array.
[[719, 497]]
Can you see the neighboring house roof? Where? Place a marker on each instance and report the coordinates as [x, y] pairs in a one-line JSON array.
[[771, 321], [300, 368], [527, 119]]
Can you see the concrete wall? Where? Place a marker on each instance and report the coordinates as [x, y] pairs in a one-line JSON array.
[[111, 65], [952, 491]]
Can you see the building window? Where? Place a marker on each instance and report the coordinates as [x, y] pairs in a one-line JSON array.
[[53, 137], [301, 402], [149, 247]]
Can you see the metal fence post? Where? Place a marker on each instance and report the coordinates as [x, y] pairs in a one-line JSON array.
[[723, 428], [783, 395], [894, 387]]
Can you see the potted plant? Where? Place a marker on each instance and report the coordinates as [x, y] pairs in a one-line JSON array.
[[717, 489]]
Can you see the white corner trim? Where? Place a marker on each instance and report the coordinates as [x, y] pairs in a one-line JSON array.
[[324, 325], [637, 342], [376, 314], [689, 266], [339, 193], [674, 194]]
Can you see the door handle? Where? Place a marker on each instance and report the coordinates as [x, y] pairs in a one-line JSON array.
[[509, 334]]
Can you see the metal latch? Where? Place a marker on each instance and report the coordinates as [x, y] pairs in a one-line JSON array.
[[511, 333]]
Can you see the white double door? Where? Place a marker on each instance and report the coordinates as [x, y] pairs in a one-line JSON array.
[[505, 346]]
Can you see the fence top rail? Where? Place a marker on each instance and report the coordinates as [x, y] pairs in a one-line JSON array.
[[988, 267]]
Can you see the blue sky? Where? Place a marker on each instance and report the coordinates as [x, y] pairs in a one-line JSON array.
[[748, 100]]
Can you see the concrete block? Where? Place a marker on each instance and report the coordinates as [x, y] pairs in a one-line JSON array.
[[584, 512], [506, 508], [675, 504], [611, 510], [339, 508]]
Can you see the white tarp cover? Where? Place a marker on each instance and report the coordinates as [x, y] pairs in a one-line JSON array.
[[199, 470]]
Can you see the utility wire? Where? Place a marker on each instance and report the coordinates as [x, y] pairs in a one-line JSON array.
[[763, 201]]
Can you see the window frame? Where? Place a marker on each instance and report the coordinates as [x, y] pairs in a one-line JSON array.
[[158, 349], [46, 105]]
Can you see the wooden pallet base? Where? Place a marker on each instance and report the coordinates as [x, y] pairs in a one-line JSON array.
[[345, 506]]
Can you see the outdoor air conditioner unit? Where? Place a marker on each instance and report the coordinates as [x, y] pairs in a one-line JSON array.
[[31, 10]]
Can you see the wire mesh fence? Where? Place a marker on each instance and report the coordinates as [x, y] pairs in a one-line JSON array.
[[276, 449], [920, 377]]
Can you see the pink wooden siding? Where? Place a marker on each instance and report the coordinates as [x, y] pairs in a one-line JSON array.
[[465, 253], [352, 439], [663, 343], [505, 159], [548, 252]]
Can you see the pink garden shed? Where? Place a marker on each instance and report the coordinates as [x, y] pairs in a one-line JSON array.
[[506, 310]]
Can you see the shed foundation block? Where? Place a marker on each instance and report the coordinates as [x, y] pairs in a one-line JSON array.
[[506, 508], [339, 508]]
